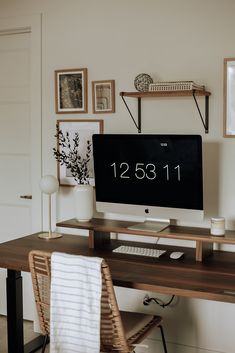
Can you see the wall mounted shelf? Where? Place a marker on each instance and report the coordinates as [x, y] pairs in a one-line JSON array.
[[190, 93]]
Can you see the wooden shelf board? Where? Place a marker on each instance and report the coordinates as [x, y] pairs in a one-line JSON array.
[[173, 232], [165, 94], [197, 234]]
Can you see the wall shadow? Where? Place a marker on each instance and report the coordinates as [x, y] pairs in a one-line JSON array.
[[211, 167]]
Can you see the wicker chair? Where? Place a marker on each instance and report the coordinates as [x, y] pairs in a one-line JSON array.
[[120, 331]]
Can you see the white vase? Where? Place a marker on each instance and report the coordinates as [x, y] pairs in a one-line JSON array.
[[83, 201]]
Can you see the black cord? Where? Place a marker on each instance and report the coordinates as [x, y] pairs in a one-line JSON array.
[[158, 301]]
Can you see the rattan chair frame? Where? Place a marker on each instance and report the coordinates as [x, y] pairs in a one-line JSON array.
[[112, 334]]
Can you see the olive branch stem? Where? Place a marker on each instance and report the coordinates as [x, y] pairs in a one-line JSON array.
[[67, 154]]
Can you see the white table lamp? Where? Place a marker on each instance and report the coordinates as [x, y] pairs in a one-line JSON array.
[[49, 184]]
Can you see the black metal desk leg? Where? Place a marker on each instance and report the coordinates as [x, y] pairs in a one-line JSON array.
[[15, 323], [15, 312]]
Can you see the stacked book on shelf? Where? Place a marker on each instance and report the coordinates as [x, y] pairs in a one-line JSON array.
[[162, 86]]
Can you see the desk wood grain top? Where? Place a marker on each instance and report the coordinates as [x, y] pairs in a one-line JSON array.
[[213, 279]]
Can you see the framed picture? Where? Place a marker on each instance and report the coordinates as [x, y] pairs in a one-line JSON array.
[[229, 97], [85, 129], [71, 91], [103, 96]]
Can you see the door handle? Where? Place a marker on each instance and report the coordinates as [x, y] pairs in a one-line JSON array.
[[28, 197]]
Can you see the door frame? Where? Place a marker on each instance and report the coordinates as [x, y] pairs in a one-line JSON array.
[[32, 25]]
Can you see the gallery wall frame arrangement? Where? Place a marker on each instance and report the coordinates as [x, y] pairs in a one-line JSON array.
[[229, 97], [85, 129], [71, 91], [103, 96]]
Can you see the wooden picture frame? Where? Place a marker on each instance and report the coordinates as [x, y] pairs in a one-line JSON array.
[[229, 97], [71, 91], [85, 128], [103, 96]]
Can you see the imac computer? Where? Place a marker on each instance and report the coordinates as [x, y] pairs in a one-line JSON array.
[[148, 175]]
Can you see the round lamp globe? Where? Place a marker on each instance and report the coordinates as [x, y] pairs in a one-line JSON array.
[[49, 184]]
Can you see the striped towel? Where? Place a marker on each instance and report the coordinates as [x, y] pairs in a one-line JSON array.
[[76, 286]]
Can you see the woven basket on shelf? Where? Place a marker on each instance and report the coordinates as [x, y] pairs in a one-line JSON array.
[[174, 86]]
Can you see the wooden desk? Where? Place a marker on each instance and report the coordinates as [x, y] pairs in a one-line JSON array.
[[212, 279]]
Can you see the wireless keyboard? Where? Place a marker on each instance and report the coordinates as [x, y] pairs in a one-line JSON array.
[[135, 250]]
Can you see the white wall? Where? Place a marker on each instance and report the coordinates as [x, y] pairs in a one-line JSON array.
[[170, 40]]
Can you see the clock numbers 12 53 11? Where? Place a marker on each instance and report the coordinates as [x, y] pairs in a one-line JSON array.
[[145, 171]]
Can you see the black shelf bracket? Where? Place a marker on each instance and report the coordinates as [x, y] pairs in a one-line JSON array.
[[137, 123], [206, 121]]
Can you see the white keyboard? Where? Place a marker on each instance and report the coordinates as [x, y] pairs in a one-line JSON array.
[[135, 250]]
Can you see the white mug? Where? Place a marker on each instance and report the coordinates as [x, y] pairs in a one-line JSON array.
[[218, 226]]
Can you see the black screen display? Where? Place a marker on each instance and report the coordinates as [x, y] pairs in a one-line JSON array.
[[151, 170]]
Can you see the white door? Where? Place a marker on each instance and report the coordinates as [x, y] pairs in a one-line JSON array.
[[19, 171]]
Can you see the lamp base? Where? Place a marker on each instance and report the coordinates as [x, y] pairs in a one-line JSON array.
[[49, 236]]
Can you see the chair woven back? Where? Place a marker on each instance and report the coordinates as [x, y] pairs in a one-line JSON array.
[[112, 335], [40, 268]]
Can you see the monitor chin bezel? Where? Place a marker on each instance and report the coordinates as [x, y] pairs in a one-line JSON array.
[[150, 212]]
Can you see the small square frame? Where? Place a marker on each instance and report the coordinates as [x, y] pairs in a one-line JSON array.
[[103, 96], [71, 91], [85, 128]]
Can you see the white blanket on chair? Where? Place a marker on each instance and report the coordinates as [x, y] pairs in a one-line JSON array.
[[76, 286]]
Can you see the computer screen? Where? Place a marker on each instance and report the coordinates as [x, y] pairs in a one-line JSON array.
[[157, 176]]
